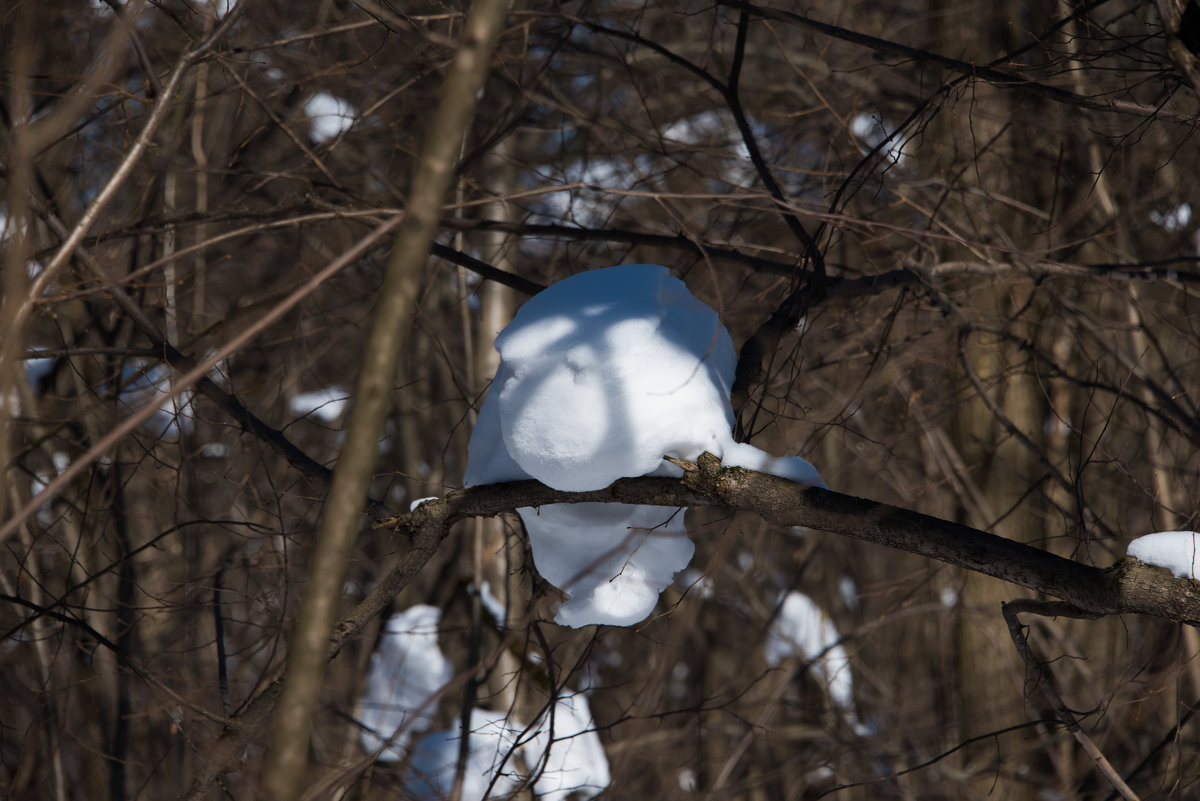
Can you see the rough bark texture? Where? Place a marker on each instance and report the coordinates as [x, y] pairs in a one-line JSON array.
[[1126, 587]]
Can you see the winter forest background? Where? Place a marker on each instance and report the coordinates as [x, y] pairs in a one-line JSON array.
[[960, 233]]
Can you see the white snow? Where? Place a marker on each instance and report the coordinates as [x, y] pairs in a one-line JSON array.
[[561, 753], [1174, 550], [490, 759], [565, 754], [802, 629], [329, 116], [601, 375], [612, 559], [412, 507], [493, 605], [871, 130], [849, 592], [407, 668], [605, 372], [327, 404], [1174, 220], [562, 756]]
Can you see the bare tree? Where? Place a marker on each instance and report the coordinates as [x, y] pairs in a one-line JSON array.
[[955, 249]]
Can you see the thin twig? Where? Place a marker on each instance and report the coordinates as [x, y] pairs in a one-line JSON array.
[[1043, 679], [192, 376]]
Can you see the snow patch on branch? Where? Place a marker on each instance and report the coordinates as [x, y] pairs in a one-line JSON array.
[[560, 755], [407, 669], [1175, 550], [601, 376]]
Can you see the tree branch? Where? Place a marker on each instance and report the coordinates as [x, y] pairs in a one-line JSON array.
[[1040, 677], [1126, 587], [996, 77], [283, 773]]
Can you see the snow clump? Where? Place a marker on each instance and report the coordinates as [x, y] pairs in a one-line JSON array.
[[600, 376], [407, 669], [560, 755], [803, 630], [329, 116], [1175, 550]]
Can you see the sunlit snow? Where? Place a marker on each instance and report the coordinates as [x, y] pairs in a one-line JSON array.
[[803, 630], [1175, 550], [561, 754], [1174, 220], [326, 404], [407, 668], [874, 131], [601, 375], [328, 115]]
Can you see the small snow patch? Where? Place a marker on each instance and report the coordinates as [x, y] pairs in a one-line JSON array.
[[1175, 550], [1174, 220], [326, 404], [412, 507], [330, 116], [874, 131], [407, 669]]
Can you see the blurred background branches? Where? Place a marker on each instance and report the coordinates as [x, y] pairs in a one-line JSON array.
[[958, 238]]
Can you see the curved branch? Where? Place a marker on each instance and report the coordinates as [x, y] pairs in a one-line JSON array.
[[287, 756], [996, 77], [1126, 587], [733, 99]]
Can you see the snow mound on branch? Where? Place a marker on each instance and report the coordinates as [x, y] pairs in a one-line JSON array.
[[560, 755], [407, 668], [489, 771], [601, 375], [605, 372], [1177, 551], [613, 559], [803, 630]]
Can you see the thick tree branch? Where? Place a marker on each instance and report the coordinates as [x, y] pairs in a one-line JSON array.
[[1126, 587], [283, 774]]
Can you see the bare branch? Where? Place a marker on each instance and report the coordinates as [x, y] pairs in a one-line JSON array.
[[283, 774], [1126, 587], [996, 77]]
